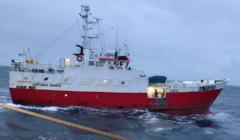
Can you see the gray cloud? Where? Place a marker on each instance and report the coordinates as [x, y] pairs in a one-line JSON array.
[[180, 39]]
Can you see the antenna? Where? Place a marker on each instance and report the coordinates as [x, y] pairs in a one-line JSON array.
[[97, 19], [101, 33], [116, 44], [116, 38], [126, 49], [25, 54], [21, 53], [86, 38], [29, 53]]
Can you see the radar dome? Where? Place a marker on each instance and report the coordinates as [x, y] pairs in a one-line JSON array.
[[21, 52]]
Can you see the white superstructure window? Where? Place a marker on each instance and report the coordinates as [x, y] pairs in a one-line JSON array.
[[105, 81], [123, 82], [66, 80], [85, 81]]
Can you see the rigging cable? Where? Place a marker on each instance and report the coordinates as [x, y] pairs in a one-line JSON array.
[[56, 40], [78, 24], [100, 24], [100, 37], [29, 53]]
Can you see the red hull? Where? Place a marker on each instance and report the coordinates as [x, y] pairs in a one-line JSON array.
[[183, 103]]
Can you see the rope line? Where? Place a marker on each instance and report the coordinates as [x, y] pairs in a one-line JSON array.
[[36, 56], [64, 122]]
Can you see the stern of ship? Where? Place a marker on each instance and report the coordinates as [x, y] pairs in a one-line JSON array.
[[195, 97]]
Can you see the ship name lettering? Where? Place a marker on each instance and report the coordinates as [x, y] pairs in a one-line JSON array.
[[55, 85], [44, 85], [34, 84], [206, 88]]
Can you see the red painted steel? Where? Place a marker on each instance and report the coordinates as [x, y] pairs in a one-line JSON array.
[[75, 98], [202, 108], [191, 98], [178, 103], [113, 59]]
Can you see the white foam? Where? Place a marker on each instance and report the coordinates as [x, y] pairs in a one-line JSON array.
[[208, 132], [5, 99], [221, 117], [50, 108], [53, 108], [162, 128], [158, 129], [148, 117], [42, 138]]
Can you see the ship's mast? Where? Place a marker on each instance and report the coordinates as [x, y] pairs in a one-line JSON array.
[[86, 38], [21, 53]]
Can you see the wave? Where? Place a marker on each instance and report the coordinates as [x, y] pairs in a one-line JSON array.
[[222, 117], [4, 90], [208, 131], [52, 108], [137, 115], [148, 116], [5, 99]]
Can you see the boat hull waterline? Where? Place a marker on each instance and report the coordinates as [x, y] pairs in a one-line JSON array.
[[184, 103]]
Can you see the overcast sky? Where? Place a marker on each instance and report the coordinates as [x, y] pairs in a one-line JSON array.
[[181, 39]]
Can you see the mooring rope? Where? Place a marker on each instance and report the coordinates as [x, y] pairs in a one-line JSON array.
[[64, 122]]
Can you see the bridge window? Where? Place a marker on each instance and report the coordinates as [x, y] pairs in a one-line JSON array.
[[91, 63], [98, 64]]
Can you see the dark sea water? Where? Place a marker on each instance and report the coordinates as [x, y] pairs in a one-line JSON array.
[[134, 124]]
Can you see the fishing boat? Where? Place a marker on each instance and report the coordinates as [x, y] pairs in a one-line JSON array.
[[104, 79]]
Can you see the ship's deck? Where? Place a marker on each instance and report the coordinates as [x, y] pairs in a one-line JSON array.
[[185, 86]]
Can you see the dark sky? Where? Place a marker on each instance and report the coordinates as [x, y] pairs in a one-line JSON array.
[[183, 40]]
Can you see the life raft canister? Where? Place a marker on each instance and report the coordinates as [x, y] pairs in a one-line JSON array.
[[111, 67], [79, 58], [120, 68]]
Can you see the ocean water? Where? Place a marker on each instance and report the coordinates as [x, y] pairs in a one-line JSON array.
[[224, 124]]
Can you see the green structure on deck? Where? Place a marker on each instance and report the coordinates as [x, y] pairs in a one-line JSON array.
[[157, 79]]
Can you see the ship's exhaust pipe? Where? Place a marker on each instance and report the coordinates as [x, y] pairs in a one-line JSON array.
[[81, 48]]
